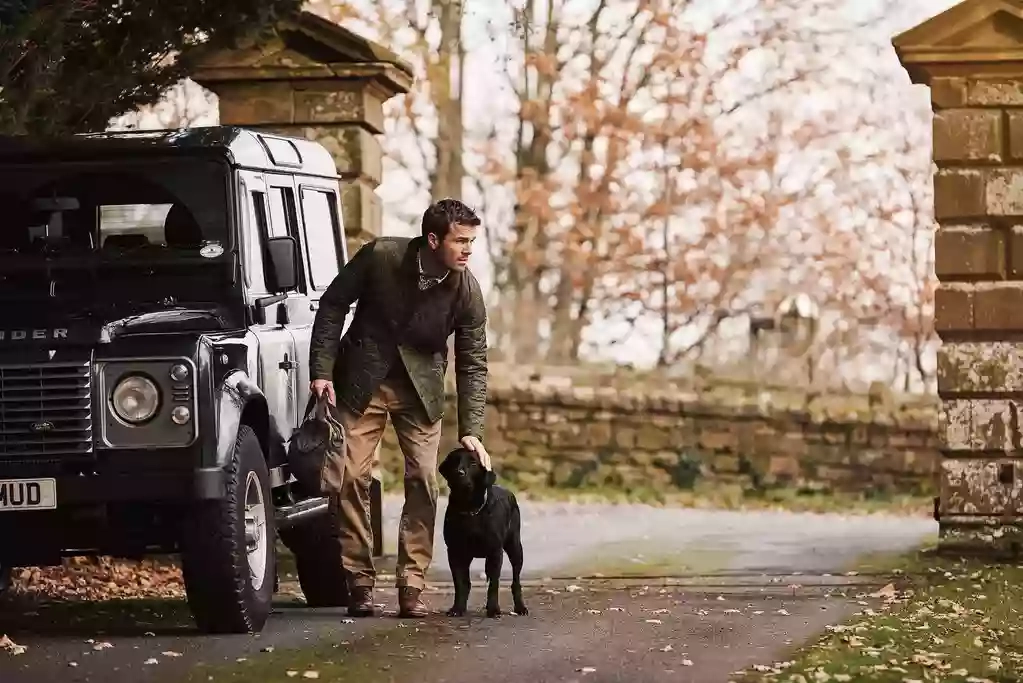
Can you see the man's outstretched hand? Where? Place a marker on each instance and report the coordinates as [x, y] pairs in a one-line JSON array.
[[323, 387], [473, 444]]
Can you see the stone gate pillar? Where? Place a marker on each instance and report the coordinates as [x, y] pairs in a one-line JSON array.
[[317, 80], [971, 57]]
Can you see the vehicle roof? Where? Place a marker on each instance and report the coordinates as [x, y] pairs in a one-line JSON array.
[[239, 146]]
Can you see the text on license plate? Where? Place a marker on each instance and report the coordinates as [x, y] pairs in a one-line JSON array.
[[28, 494]]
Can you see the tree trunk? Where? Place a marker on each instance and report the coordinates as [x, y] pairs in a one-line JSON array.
[[446, 88], [527, 258]]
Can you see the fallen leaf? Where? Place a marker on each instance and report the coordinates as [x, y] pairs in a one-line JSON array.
[[310, 674], [8, 645], [887, 592], [687, 662], [151, 660], [170, 653], [586, 670]]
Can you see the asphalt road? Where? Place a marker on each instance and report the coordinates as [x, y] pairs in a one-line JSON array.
[[615, 592]]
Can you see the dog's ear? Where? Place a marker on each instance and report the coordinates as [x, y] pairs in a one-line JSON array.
[[450, 464], [489, 478]]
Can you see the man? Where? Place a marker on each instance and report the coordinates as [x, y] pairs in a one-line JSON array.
[[413, 294]]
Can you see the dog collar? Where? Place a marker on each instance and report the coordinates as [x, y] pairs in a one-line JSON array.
[[486, 494]]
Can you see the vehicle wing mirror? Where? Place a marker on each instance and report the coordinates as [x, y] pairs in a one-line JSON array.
[[283, 254]]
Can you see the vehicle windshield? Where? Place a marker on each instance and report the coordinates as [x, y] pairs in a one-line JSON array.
[[134, 230]]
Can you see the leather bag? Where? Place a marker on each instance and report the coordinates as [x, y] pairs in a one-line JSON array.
[[316, 453]]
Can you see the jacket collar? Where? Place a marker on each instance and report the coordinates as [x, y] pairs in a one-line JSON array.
[[410, 266]]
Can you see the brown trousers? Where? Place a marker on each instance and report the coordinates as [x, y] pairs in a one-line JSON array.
[[419, 442]]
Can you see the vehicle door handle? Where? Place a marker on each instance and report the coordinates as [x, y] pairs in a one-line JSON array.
[[314, 305], [287, 364]]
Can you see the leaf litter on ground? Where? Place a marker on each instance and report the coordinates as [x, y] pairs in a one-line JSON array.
[[930, 625]]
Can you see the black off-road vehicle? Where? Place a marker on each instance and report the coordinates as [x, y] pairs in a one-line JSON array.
[[157, 292]]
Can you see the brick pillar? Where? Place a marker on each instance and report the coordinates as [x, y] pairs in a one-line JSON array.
[[977, 99], [317, 80]]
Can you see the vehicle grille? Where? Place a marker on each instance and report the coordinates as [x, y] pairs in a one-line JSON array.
[[45, 411]]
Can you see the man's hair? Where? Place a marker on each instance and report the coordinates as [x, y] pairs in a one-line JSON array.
[[441, 215]]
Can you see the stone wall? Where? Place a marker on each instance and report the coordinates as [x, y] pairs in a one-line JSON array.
[[579, 437]]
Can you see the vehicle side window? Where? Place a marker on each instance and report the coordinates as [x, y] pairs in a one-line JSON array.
[[319, 209], [261, 226], [280, 225], [284, 222]]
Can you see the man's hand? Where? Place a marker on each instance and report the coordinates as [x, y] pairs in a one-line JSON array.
[[321, 387], [473, 444]]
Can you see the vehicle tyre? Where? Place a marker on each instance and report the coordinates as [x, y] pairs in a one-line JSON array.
[[228, 557], [316, 545]]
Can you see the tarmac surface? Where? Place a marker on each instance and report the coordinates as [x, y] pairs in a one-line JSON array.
[[616, 592]]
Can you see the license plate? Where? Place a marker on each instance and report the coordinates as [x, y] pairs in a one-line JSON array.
[[28, 494]]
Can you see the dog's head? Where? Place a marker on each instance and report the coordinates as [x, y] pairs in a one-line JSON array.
[[465, 474]]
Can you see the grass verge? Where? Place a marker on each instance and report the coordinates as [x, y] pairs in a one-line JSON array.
[[954, 620], [736, 497]]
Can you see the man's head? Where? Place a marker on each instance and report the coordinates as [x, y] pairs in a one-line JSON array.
[[450, 228]]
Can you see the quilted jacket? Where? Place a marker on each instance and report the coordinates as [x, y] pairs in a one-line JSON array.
[[395, 322]]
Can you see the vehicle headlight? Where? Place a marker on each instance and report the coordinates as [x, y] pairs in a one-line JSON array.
[[135, 399]]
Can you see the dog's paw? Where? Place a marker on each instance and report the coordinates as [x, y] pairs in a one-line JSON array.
[[456, 612], [522, 611], [494, 612]]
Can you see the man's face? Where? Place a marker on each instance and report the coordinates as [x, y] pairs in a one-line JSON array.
[[456, 248]]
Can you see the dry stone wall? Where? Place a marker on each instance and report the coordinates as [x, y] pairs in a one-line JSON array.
[[584, 437]]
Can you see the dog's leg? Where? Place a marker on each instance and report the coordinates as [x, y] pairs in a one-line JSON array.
[[494, 563], [460, 576], [513, 546]]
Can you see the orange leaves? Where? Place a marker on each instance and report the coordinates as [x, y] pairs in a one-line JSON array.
[[102, 579]]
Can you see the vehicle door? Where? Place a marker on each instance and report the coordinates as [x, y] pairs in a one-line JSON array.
[[277, 352], [324, 240], [285, 220]]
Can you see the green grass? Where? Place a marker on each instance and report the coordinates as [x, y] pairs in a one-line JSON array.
[[735, 497], [948, 620]]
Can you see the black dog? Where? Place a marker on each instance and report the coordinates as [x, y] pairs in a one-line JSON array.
[[482, 520]]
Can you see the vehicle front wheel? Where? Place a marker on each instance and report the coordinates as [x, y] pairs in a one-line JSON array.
[[228, 559], [316, 545]]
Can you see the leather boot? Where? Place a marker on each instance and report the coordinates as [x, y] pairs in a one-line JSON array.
[[360, 602], [410, 605]]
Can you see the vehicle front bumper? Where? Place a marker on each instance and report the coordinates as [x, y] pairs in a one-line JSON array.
[[127, 514], [144, 486]]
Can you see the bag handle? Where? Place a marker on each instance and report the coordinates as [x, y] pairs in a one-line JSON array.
[[317, 403]]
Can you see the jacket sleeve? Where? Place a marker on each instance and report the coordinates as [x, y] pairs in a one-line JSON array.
[[335, 303], [471, 363]]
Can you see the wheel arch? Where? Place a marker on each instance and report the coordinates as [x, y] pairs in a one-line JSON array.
[[241, 402]]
